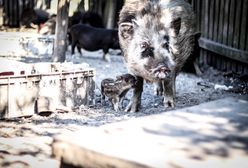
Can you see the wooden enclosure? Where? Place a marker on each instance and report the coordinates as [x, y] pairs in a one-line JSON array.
[[224, 33]]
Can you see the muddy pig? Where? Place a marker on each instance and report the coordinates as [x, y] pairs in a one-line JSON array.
[[92, 39], [116, 90], [156, 38]]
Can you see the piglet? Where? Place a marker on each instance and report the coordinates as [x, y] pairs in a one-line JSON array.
[[116, 89]]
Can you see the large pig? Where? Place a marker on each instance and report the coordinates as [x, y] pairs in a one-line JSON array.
[[156, 37]]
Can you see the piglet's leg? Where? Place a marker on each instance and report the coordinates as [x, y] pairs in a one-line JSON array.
[[169, 90], [102, 99], [115, 102], [135, 101]]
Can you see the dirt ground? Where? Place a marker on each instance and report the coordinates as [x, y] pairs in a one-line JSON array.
[[26, 141]]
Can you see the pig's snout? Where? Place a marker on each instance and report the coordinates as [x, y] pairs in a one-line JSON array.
[[161, 72]]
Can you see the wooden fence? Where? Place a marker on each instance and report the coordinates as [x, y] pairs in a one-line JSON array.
[[224, 28]]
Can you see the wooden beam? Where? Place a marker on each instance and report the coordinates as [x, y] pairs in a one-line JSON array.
[[233, 53]]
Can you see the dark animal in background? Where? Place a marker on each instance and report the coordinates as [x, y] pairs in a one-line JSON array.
[[92, 39], [156, 38], [75, 19], [33, 16], [116, 90], [90, 18]]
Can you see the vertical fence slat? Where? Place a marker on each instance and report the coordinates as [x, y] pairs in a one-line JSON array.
[[221, 20], [206, 18], [226, 18], [211, 19], [216, 20], [237, 24], [231, 22], [244, 21]]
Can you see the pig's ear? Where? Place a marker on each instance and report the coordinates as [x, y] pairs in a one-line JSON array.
[[119, 77], [126, 29], [175, 26], [197, 35]]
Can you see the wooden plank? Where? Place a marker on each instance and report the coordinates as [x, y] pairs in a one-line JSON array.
[[223, 64], [230, 23], [224, 50], [208, 134], [234, 66], [219, 61], [225, 23], [216, 20], [199, 15], [238, 24], [244, 26], [211, 19], [206, 19], [221, 20]]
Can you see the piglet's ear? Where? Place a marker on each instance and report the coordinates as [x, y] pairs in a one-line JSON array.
[[175, 26], [118, 77], [126, 30]]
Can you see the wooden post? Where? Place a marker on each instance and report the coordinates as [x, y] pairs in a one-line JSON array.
[[61, 31]]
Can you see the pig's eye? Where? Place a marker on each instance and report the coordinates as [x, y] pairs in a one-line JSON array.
[[144, 45], [166, 46], [148, 52]]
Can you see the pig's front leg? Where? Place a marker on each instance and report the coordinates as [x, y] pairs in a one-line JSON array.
[[135, 101], [115, 103], [106, 56], [169, 91], [158, 88]]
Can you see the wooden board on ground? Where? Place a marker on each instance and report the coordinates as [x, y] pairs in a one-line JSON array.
[[212, 134]]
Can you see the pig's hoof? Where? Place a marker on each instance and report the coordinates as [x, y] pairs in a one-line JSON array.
[[132, 108], [107, 58], [169, 103], [157, 92]]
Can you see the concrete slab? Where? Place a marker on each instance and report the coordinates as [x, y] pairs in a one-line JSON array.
[[27, 152], [213, 134]]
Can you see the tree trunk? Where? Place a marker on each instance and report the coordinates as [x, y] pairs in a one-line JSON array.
[[110, 14], [80, 7], [61, 31]]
